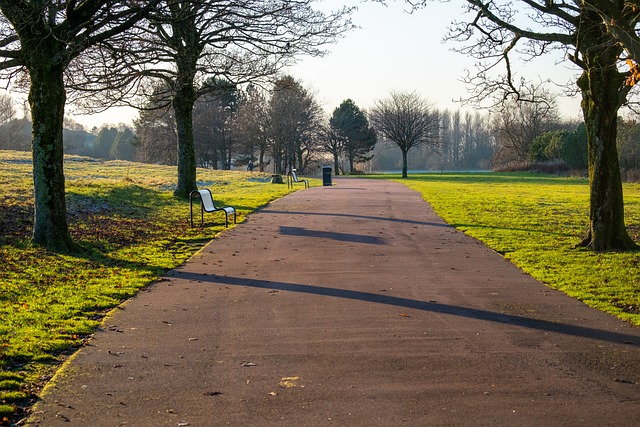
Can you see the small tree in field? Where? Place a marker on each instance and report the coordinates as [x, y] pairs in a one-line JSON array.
[[350, 129], [332, 142], [407, 120]]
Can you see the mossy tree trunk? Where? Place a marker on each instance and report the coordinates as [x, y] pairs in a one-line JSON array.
[[603, 92], [185, 42], [183, 102], [47, 99], [300, 160], [404, 163]]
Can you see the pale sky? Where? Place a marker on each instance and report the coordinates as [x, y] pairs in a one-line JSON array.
[[393, 50]]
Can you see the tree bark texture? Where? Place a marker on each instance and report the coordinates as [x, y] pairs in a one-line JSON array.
[[47, 99], [404, 163], [183, 102], [300, 159], [602, 97]]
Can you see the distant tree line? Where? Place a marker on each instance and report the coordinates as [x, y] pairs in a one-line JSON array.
[[100, 54], [285, 128]]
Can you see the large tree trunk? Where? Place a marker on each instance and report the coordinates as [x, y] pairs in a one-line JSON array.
[[602, 89], [214, 158], [300, 160], [336, 164], [183, 102], [404, 163], [261, 160], [47, 100]]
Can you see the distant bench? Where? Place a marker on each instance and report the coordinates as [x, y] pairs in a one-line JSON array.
[[292, 178], [208, 205]]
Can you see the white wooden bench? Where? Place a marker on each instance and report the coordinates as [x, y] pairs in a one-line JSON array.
[[207, 204], [292, 178]]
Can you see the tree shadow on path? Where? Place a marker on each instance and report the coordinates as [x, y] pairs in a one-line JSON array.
[[377, 218], [433, 307], [332, 235]]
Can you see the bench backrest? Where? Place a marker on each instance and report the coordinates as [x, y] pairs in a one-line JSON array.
[[207, 200], [295, 177]]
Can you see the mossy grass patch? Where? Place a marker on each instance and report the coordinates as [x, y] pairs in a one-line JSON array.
[[130, 228]]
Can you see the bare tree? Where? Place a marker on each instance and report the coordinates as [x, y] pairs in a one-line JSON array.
[[213, 114], [498, 31], [295, 119], [333, 142], [10, 128], [251, 127], [7, 110], [407, 120], [155, 130], [187, 42], [42, 38], [517, 121]]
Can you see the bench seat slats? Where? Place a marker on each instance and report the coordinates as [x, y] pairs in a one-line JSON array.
[[207, 204]]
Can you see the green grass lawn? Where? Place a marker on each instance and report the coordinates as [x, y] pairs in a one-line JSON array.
[[535, 221], [132, 230]]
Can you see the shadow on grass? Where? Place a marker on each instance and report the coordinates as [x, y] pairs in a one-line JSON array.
[[129, 201], [510, 229]]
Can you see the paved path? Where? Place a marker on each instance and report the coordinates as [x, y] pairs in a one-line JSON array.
[[351, 305]]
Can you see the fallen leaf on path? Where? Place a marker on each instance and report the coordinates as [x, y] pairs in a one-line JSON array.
[[404, 315], [288, 382]]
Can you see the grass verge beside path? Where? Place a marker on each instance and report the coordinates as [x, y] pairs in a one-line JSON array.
[[132, 229], [534, 221]]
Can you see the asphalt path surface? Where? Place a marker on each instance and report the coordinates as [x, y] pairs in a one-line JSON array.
[[350, 305]]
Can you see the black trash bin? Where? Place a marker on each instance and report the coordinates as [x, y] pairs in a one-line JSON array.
[[326, 176]]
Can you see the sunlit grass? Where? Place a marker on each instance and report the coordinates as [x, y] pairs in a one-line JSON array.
[[131, 229], [535, 221]]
